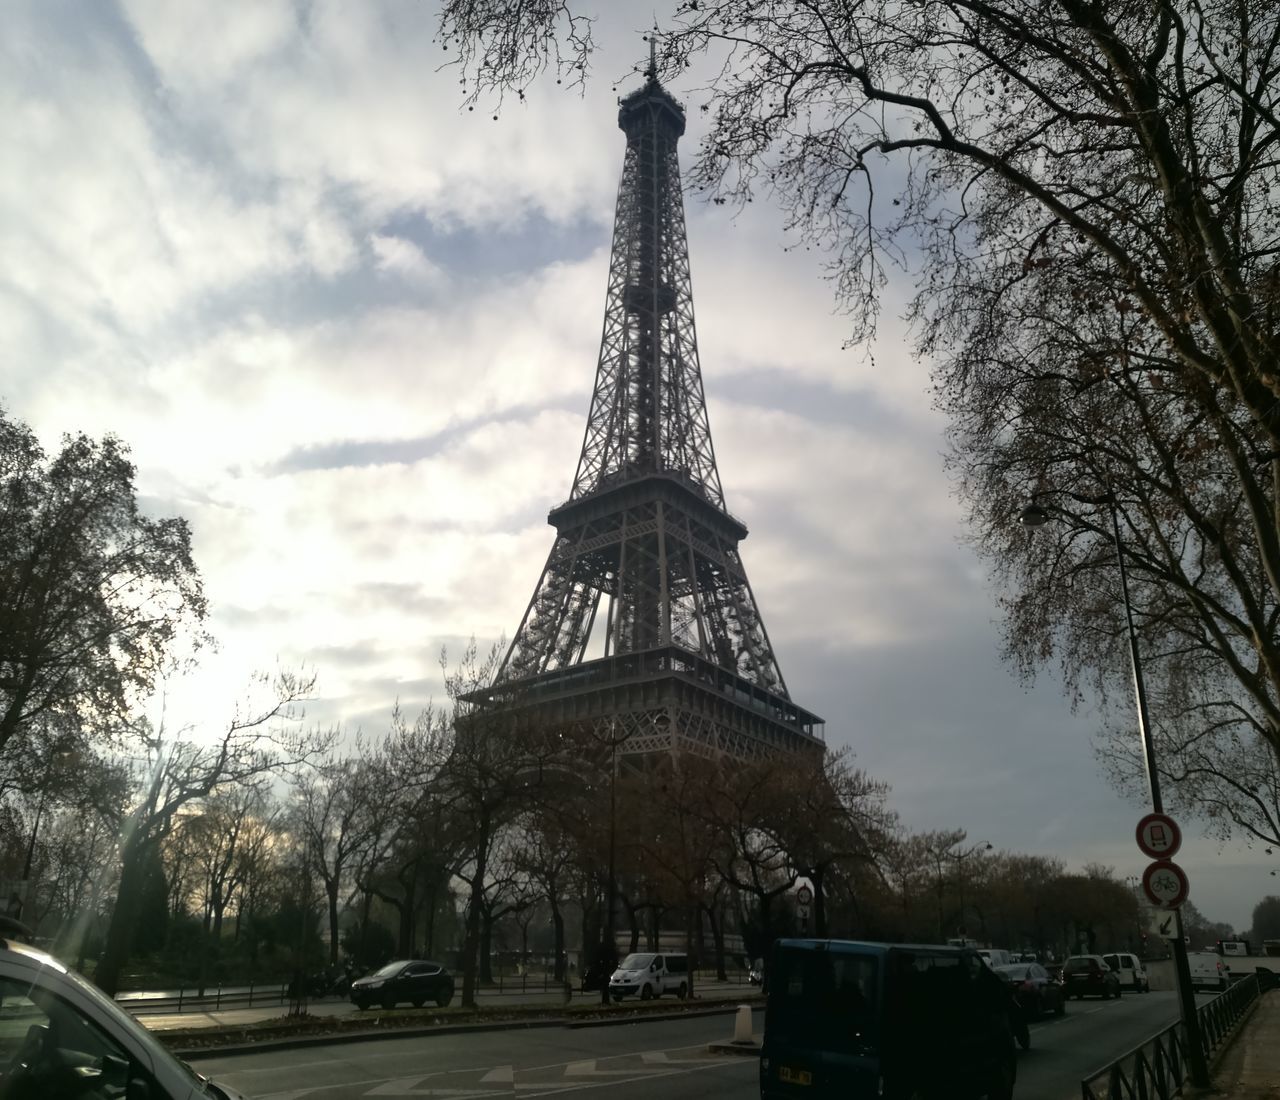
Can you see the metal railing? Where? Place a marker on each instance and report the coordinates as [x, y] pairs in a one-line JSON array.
[[214, 1000], [217, 999], [1157, 1068]]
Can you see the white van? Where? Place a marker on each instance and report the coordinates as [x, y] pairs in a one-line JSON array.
[[59, 1027], [1132, 973], [1207, 970], [995, 956], [650, 974]]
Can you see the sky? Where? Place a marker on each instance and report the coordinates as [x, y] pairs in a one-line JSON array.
[[350, 329]]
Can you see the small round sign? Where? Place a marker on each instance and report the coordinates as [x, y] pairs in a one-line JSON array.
[[804, 895], [1165, 884], [1159, 836]]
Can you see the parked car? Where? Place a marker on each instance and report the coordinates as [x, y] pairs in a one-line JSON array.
[[1034, 990], [651, 974], [1208, 971], [854, 1021], [1133, 974], [995, 956], [1089, 975], [1054, 970], [62, 1037], [414, 980]]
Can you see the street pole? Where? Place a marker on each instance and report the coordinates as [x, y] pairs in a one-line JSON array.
[[1035, 515], [606, 938], [1197, 1066]]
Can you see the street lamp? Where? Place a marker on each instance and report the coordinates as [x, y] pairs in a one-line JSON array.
[[960, 857], [1036, 515]]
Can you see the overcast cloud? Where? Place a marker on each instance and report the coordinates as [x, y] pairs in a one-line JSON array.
[[350, 331]]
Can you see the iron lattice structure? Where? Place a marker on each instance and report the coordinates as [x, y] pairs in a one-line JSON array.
[[643, 624]]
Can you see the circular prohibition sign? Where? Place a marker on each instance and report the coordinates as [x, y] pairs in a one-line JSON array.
[[1159, 836], [1165, 884]]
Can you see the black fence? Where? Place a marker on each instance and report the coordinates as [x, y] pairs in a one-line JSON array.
[[1157, 1069], [219, 999], [211, 1000]]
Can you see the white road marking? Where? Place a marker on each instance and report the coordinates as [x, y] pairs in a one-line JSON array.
[[407, 1086], [499, 1075]]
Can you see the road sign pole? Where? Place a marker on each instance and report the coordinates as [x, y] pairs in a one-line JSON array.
[[1197, 1064]]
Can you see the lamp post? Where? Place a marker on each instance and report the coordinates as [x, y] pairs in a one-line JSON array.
[[1036, 515], [960, 857]]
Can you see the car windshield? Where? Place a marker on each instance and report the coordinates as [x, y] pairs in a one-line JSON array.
[[1017, 973], [826, 998], [636, 962], [390, 970]]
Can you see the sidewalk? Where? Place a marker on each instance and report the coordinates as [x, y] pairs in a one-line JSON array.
[[1250, 1069]]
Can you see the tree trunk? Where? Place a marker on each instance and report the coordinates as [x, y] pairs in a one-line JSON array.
[[716, 921], [486, 947], [692, 924], [429, 945], [557, 928], [816, 876], [331, 889], [471, 938], [124, 915]]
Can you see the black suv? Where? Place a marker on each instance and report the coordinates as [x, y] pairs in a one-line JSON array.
[[416, 981], [852, 1020]]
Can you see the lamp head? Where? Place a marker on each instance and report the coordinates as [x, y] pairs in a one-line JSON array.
[[1033, 515]]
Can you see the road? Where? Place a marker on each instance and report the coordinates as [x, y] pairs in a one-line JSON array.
[[639, 1060]]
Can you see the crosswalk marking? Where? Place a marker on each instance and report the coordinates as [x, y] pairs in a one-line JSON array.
[[408, 1086], [588, 1069]]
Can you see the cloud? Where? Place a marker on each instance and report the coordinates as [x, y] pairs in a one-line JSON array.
[[403, 259]]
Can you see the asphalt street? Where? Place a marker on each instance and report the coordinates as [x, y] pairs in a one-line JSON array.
[[637, 1060]]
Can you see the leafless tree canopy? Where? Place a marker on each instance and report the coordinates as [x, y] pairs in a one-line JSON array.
[[1086, 196]]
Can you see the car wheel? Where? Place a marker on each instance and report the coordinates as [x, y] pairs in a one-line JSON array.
[[417, 1002], [1060, 1009], [646, 993], [683, 991], [361, 1004], [444, 997]]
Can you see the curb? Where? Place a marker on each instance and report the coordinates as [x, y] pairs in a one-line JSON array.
[[299, 1042], [747, 1047]]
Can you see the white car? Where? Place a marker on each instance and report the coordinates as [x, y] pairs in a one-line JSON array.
[[1132, 973], [650, 974], [1207, 970], [62, 1036]]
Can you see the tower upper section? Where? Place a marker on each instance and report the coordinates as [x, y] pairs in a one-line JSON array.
[[648, 413]]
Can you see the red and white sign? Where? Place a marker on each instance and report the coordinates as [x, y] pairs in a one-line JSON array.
[[1165, 884], [1159, 836]]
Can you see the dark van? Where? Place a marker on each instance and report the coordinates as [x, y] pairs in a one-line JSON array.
[[852, 1020]]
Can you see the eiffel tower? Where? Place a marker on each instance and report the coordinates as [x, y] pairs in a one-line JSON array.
[[643, 626]]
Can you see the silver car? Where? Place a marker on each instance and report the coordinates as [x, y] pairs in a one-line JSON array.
[[58, 1033]]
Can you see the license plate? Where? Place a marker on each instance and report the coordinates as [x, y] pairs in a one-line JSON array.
[[795, 1076]]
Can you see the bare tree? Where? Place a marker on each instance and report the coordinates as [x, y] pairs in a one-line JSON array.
[[332, 799], [1084, 194], [261, 739]]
